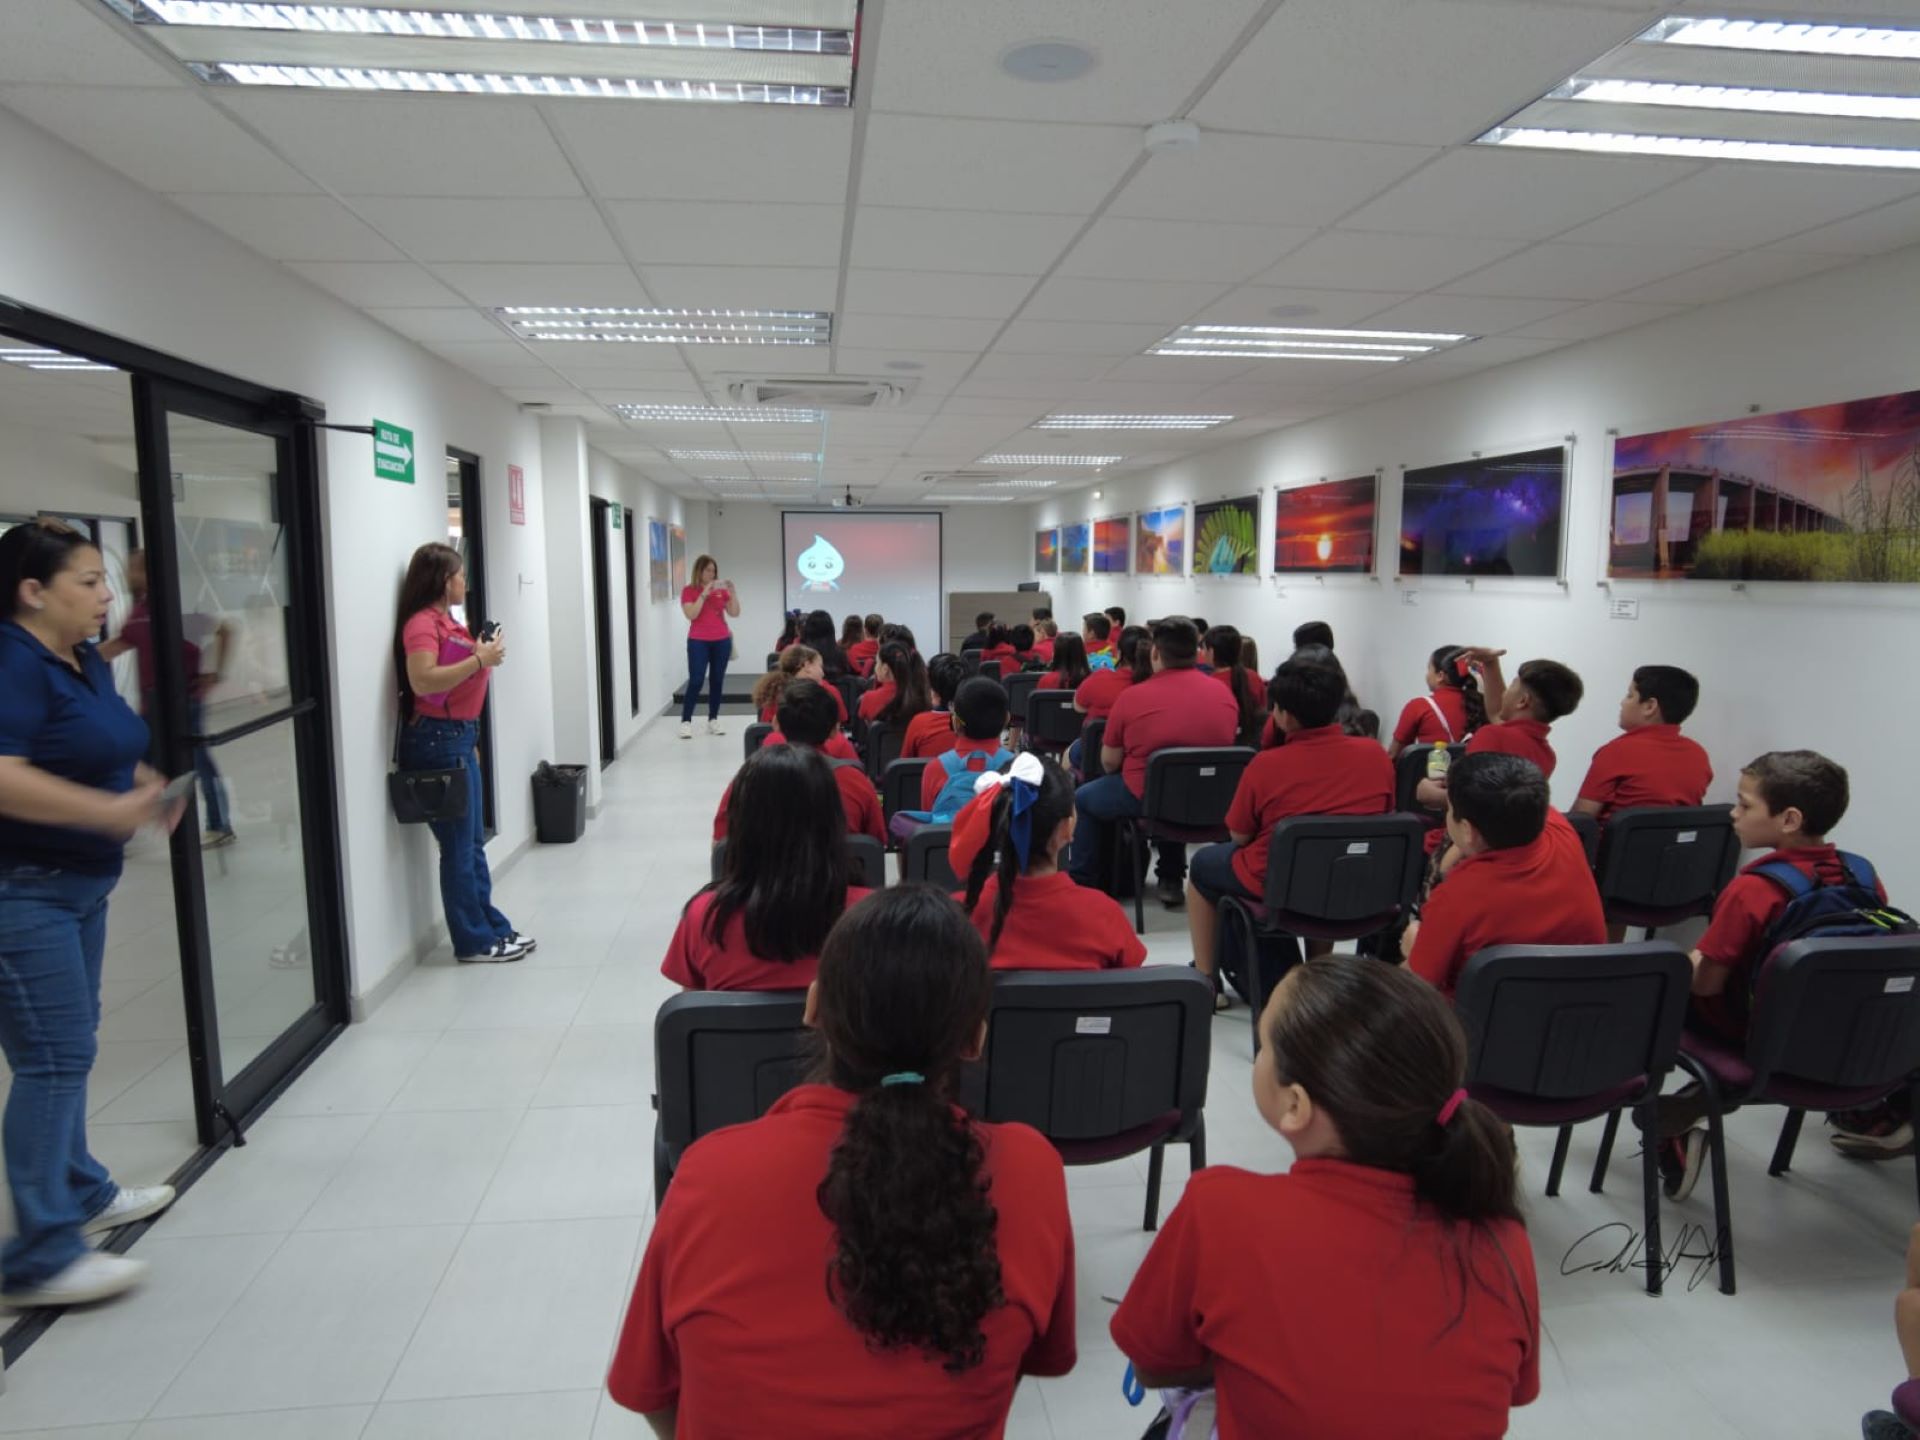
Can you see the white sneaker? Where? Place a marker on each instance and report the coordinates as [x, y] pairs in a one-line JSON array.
[[714, 727], [497, 953], [131, 1204], [92, 1277], [686, 729]]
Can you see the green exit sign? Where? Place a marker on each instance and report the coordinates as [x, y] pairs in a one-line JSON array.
[[616, 517], [392, 452]]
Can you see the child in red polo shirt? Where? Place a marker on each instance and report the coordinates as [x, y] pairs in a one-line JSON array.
[[863, 1259], [1318, 771], [1096, 633], [797, 662], [1384, 1284], [1522, 877], [979, 715], [1221, 649], [930, 733], [1029, 911], [1094, 696], [1045, 633], [1450, 711], [1651, 763], [806, 720], [1067, 668], [783, 884], [862, 653], [996, 656], [1542, 692]]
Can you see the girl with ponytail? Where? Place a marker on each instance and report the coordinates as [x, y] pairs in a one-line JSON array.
[[863, 1259], [1009, 843], [1222, 647], [1451, 710], [1387, 1274]]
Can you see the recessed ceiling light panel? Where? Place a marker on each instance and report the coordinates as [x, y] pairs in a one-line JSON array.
[[717, 414], [1728, 97], [1131, 422], [645, 326], [1692, 147], [33, 357], [1038, 460], [1875, 42], [749, 457], [1295, 342]]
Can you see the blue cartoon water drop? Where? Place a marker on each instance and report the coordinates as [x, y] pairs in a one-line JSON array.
[[820, 566]]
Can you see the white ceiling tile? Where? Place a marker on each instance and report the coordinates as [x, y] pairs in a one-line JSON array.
[[1077, 337], [945, 293], [1118, 248], [506, 284], [894, 239], [1507, 193], [938, 368], [1416, 71], [1119, 396], [1161, 302], [1481, 355], [378, 283], [1582, 272], [494, 353], [1011, 372], [56, 42], [168, 140], [1740, 206], [1737, 275], [502, 376], [449, 228], [400, 145], [1603, 317], [1464, 314], [1190, 370], [992, 165], [935, 59], [740, 287], [1257, 304], [1368, 260], [708, 232], [767, 153], [461, 324], [715, 360], [291, 227], [1891, 227], [911, 333], [1259, 180]]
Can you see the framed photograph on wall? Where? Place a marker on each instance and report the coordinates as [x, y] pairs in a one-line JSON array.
[[1160, 541], [1046, 551], [1110, 545], [677, 556], [1226, 537], [1830, 493], [657, 582], [1491, 516], [1076, 548], [1328, 528]]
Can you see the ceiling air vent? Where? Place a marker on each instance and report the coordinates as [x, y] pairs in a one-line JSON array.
[[819, 392]]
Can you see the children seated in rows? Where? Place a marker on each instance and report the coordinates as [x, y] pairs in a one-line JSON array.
[[866, 645], [1384, 1284], [1068, 667], [1027, 909], [931, 733], [783, 882], [1651, 763], [806, 721], [902, 691], [864, 1259]]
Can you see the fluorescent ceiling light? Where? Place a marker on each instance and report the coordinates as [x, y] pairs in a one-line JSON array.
[[1728, 97], [1279, 355], [758, 479], [651, 326], [1864, 41], [1130, 422], [1018, 484], [748, 457], [1298, 342], [1695, 148], [719, 414], [1253, 345], [561, 87], [966, 500], [35, 358], [1049, 459], [1424, 337]]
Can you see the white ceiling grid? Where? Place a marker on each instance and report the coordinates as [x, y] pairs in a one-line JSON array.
[[1008, 247]]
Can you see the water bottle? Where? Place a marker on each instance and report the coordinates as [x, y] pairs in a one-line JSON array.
[[1439, 761]]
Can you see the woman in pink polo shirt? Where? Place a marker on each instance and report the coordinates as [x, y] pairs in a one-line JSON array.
[[707, 602], [443, 677]]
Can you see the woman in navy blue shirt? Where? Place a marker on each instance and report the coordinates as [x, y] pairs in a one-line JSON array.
[[73, 790]]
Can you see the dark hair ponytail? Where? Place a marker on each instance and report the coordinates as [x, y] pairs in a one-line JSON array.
[[902, 992], [998, 856], [785, 872], [1223, 642], [1070, 661], [912, 694], [1451, 662]]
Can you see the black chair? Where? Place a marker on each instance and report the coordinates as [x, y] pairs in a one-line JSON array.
[[1092, 736], [1188, 790], [773, 659], [883, 747], [1658, 867], [1052, 724], [1588, 829], [970, 661], [1329, 877], [754, 736], [1019, 695], [868, 857], [1104, 1064], [1409, 770], [900, 790], [720, 1058], [1835, 1025], [1566, 1033], [927, 857]]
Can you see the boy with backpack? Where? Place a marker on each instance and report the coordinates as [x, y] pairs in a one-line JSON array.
[[947, 785]]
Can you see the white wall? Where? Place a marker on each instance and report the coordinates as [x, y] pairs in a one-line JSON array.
[[81, 241], [1826, 667]]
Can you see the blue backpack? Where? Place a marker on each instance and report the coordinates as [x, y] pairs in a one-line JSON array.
[[958, 791], [1817, 909]]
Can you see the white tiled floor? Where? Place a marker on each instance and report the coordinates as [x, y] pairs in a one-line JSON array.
[[432, 1234]]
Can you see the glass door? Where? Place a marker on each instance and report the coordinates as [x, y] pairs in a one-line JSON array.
[[235, 586]]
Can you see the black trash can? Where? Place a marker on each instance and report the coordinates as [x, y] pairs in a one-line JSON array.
[[559, 803]]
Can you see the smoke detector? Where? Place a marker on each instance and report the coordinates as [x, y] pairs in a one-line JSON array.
[[1171, 137], [817, 392]]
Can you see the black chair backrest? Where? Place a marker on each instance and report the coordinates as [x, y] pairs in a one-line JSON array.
[[1019, 693], [927, 856], [1409, 770], [1673, 861], [753, 737], [900, 785], [1344, 870], [1192, 785], [1588, 829], [971, 659], [1843, 1012], [722, 1058], [1051, 718], [868, 857], [1093, 1054], [883, 746], [773, 659], [1563, 1021], [1092, 737]]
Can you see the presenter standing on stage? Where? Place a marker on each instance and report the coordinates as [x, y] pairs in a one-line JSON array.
[[707, 602]]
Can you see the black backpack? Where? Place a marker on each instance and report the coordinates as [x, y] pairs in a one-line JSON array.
[[1818, 909]]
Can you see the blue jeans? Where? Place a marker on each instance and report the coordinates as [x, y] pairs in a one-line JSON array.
[[213, 789], [466, 885], [705, 658], [53, 933], [1099, 803]]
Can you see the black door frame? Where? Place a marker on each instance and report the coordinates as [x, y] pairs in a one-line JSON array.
[[600, 520], [633, 620], [473, 535]]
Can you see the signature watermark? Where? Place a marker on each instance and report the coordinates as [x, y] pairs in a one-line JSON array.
[[1616, 1248]]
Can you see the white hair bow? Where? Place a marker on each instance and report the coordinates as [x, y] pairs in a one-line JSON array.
[[1026, 766]]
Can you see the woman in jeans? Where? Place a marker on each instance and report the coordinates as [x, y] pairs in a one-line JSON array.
[[73, 791], [707, 602], [443, 685]]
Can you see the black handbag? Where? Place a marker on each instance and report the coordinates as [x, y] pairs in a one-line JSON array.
[[421, 796]]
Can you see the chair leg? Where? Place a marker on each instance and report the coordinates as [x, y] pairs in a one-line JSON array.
[[1722, 1204], [1913, 1101], [1136, 873], [1156, 1158], [1601, 1160], [1197, 1147], [1256, 983], [1649, 1192], [1789, 1138], [1560, 1143]]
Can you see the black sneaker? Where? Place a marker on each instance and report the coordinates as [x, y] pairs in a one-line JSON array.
[[1883, 1425], [497, 953], [1172, 893], [1680, 1160]]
